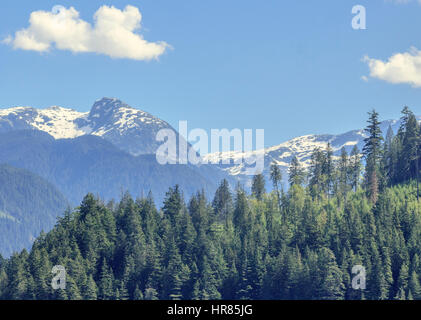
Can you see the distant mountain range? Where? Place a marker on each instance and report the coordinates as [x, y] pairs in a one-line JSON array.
[[110, 150], [301, 147], [134, 131]]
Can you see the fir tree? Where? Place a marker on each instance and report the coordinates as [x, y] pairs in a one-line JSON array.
[[372, 154], [258, 186], [296, 172]]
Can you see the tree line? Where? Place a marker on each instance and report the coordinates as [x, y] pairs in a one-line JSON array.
[[296, 244]]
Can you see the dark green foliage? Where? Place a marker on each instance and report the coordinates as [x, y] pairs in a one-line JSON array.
[[354, 168], [299, 244], [322, 172], [130, 251], [402, 154], [296, 172], [258, 186], [276, 178], [275, 175], [372, 152], [222, 202]]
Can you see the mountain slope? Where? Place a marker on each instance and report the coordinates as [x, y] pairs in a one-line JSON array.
[[91, 164], [130, 129], [28, 205]]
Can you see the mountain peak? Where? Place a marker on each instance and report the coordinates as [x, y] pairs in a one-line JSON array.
[[130, 129], [108, 104]]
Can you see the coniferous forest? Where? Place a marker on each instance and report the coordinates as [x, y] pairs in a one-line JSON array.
[[360, 208]]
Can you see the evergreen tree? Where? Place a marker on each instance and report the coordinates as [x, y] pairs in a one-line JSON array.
[[414, 286], [332, 287], [275, 176], [389, 160], [411, 143], [296, 172], [344, 173], [372, 154], [329, 169], [90, 289], [258, 186], [222, 202], [138, 295], [355, 167], [317, 174], [106, 279]]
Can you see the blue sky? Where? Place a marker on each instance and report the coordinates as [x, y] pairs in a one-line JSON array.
[[289, 67]]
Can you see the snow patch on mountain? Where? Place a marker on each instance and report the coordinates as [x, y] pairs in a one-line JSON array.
[[60, 122], [56, 121], [130, 129], [281, 154]]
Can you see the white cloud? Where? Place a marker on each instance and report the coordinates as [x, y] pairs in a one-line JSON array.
[[114, 33], [399, 68], [7, 40]]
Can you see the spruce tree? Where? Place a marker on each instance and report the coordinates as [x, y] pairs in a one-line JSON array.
[[258, 186], [222, 202], [296, 172], [344, 173], [106, 281], [355, 167], [372, 153], [275, 177]]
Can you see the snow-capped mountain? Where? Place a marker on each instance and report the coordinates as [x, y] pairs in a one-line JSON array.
[[129, 129], [301, 147], [104, 151], [134, 131]]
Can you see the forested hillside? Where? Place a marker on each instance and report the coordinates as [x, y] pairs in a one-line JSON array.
[[299, 244], [92, 164], [28, 205]]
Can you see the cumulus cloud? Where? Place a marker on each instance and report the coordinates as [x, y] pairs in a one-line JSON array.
[[114, 33], [399, 68]]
